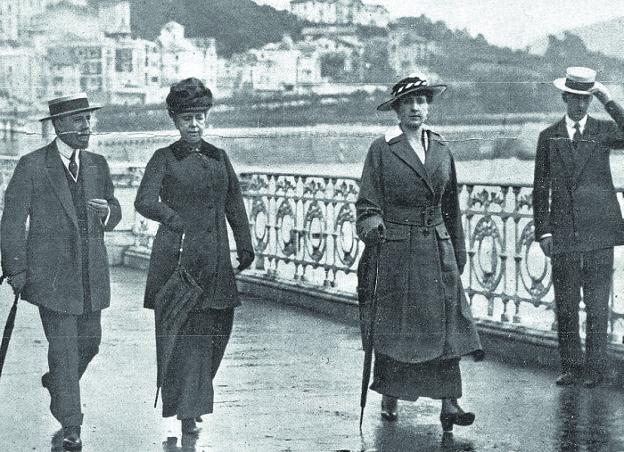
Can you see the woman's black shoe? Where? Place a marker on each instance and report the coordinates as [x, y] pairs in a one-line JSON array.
[[460, 418], [389, 408]]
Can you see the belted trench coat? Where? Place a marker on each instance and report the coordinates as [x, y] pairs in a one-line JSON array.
[[422, 312]]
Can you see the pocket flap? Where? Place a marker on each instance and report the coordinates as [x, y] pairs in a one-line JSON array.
[[442, 232], [397, 231]]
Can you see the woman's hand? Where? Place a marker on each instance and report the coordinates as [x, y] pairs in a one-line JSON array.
[[375, 235], [245, 259]]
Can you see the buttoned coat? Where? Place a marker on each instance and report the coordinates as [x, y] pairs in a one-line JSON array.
[[422, 312], [573, 194], [40, 234], [195, 193]]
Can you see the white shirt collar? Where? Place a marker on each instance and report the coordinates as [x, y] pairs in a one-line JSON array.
[[570, 123], [396, 131], [66, 151]]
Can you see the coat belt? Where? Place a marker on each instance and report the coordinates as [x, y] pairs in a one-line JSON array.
[[428, 216]]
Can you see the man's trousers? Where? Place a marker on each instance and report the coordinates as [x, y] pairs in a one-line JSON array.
[[591, 271], [73, 341]]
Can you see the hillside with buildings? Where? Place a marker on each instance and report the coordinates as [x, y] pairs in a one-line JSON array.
[[127, 53]]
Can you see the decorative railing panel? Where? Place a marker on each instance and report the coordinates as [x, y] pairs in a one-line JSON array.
[[303, 228]]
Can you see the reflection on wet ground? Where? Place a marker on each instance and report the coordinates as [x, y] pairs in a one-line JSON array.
[[289, 382]]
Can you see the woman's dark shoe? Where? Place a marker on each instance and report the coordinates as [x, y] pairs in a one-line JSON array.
[[189, 427], [389, 408], [71, 438], [452, 414], [199, 419]]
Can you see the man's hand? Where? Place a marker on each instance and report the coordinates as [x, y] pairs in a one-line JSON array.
[[601, 92], [546, 245], [18, 282], [100, 207]]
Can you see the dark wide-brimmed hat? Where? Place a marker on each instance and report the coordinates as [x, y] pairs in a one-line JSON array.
[[69, 105], [578, 80], [188, 95], [412, 84]]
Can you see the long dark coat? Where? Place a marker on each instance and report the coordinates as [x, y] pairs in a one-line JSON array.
[[573, 194], [418, 265], [49, 248], [194, 192]]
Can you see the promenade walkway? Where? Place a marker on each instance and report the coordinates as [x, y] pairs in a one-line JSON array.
[[289, 382]]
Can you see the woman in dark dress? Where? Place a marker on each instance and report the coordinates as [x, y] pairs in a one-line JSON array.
[[409, 218], [190, 187]]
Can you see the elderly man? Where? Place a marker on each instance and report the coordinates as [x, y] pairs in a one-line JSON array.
[[578, 220], [58, 204]]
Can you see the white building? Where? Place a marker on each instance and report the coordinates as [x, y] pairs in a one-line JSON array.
[[282, 67], [407, 51], [181, 57], [17, 70], [340, 12]]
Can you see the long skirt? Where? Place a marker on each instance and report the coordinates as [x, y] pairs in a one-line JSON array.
[[436, 379], [187, 388]]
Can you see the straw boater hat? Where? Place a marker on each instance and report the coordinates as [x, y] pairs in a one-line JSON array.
[[412, 84], [578, 80], [69, 105]]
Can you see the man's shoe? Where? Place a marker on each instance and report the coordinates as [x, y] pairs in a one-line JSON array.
[[45, 380], [189, 427], [566, 378], [71, 438]]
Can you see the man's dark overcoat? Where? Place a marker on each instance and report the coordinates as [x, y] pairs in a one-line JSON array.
[[573, 194], [419, 264], [195, 192], [40, 232]]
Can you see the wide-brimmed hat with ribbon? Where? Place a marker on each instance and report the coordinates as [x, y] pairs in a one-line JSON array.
[[69, 105], [412, 84], [578, 80]]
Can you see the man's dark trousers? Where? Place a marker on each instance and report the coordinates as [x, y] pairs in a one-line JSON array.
[[73, 341], [591, 271]]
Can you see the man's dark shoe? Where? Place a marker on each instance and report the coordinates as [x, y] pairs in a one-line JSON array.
[[45, 380], [71, 438], [567, 378]]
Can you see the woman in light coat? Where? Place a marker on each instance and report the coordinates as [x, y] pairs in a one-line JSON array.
[[409, 218]]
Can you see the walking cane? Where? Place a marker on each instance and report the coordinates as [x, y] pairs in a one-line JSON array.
[[368, 339], [8, 329]]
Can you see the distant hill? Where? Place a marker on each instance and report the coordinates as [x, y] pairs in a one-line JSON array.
[[237, 25], [604, 37]]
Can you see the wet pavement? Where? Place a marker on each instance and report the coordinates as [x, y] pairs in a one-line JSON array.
[[289, 382]]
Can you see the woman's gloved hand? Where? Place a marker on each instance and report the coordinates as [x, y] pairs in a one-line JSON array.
[[375, 235], [245, 259]]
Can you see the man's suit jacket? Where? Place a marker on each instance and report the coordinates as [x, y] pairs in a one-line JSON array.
[[573, 194], [40, 235]]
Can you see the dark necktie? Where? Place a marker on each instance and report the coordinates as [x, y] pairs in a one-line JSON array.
[[577, 133], [73, 166]]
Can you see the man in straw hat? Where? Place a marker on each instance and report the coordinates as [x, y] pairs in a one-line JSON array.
[[58, 262], [578, 220]]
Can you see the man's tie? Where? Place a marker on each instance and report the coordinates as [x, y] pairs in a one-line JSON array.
[[73, 166], [577, 133]]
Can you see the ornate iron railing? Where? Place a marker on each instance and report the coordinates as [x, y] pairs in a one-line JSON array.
[[303, 227]]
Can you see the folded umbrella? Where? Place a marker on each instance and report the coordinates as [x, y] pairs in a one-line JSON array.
[[367, 298], [172, 305], [8, 330]]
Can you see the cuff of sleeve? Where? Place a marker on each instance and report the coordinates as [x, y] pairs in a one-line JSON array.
[[105, 221], [368, 224], [543, 236]]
